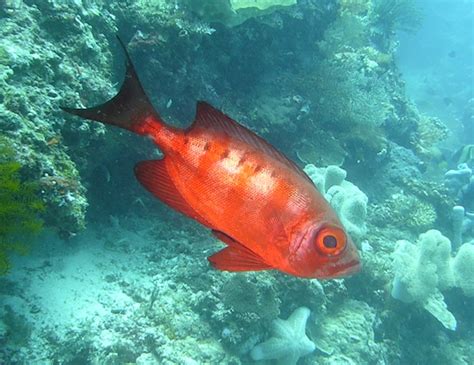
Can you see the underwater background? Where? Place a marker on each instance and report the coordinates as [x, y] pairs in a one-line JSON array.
[[373, 98]]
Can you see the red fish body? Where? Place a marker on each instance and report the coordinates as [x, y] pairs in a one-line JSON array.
[[262, 205]]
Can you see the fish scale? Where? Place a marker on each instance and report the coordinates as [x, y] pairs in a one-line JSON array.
[[253, 198]]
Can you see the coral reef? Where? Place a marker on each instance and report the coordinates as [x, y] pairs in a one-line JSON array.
[[35, 75], [320, 81]]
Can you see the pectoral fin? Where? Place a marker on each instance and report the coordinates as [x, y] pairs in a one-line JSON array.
[[154, 176], [236, 257]]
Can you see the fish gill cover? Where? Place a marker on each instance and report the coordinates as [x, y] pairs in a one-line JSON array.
[[116, 277]]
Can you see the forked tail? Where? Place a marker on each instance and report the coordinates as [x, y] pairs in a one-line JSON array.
[[129, 109]]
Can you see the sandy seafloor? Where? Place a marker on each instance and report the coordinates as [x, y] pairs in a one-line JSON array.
[[86, 292]]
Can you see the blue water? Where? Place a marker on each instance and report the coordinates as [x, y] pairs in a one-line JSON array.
[[371, 99], [440, 77]]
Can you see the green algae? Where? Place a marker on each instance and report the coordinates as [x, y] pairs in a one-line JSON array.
[[19, 208]]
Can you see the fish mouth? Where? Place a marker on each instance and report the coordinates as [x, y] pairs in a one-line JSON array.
[[349, 268], [341, 270]]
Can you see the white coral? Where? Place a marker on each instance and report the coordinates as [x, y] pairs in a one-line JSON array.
[[349, 202], [289, 341], [423, 270]]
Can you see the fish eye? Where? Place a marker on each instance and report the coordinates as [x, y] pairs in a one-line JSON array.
[[330, 241]]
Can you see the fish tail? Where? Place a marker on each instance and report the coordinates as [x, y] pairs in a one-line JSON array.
[[130, 109]]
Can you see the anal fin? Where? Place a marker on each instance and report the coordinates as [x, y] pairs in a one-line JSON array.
[[236, 257], [154, 176]]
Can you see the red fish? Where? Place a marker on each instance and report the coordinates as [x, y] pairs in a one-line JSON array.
[[252, 197]]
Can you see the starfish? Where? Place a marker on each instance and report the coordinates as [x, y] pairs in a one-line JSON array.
[[289, 341]]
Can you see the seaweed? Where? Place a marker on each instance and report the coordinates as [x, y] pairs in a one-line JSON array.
[[19, 208]]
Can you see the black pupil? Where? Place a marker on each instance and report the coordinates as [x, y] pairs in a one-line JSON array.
[[330, 241]]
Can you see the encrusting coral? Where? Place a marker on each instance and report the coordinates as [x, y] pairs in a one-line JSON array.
[[289, 341], [424, 269]]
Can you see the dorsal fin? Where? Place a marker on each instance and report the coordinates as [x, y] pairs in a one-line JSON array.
[[210, 118]]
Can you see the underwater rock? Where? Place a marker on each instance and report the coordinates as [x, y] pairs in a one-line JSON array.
[[347, 199], [289, 341], [424, 269]]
